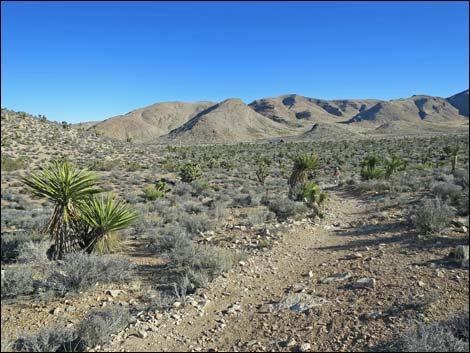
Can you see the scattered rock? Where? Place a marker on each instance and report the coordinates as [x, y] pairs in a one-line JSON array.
[[341, 276], [114, 292], [354, 256], [291, 342], [305, 347], [300, 302], [374, 314], [460, 253], [56, 311], [365, 282]]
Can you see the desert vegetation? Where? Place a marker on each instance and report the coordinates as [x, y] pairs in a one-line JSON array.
[[102, 238]]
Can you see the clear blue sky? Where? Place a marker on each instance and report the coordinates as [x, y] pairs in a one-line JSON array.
[[81, 61]]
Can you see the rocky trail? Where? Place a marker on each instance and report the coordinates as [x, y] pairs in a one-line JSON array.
[[343, 283]]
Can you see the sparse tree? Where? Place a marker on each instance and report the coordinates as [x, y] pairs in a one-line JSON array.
[[453, 153], [393, 164]]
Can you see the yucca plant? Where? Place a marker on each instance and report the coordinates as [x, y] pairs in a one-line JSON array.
[[393, 164], [370, 168], [65, 186], [303, 166], [104, 216], [453, 153]]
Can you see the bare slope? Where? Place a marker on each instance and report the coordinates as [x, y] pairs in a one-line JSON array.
[[226, 122], [460, 101], [417, 109], [295, 110], [149, 123]]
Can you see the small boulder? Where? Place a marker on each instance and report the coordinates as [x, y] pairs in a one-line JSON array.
[[366, 282]]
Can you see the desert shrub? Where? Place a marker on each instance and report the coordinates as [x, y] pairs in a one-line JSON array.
[[151, 193], [33, 253], [257, 218], [447, 336], [461, 179], [12, 243], [98, 326], [379, 186], [17, 281], [158, 299], [170, 238], [182, 189], [447, 192], [190, 172], [198, 279], [213, 260], [195, 224], [200, 187], [9, 164], [58, 338], [432, 216], [79, 271], [103, 165], [286, 208], [133, 166], [245, 200]]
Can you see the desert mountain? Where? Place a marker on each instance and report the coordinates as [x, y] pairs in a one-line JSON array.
[[146, 124], [299, 111], [460, 101], [416, 109], [226, 122], [291, 116]]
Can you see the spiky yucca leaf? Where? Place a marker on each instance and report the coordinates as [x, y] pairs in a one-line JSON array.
[[303, 165], [65, 186], [62, 183], [104, 216]]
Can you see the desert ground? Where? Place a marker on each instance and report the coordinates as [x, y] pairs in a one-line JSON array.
[[232, 250]]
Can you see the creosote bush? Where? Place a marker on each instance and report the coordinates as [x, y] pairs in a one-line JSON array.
[[432, 216], [80, 271]]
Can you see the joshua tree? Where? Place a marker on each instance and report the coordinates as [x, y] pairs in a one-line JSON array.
[[393, 164], [65, 186], [190, 172], [453, 153], [303, 166], [262, 172], [104, 216]]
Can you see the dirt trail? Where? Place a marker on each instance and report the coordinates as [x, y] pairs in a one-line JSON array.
[[236, 312]]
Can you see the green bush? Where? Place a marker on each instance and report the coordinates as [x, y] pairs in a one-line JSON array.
[[10, 164], [190, 172]]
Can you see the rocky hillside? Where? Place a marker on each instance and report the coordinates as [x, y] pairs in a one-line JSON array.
[[414, 109], [460, 101], [147, 124], [227, 122], [295, 110], [289, 116]]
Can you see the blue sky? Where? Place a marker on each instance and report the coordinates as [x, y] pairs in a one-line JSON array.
[[81, 61]]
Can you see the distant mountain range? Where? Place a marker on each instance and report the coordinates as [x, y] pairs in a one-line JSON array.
[[291, 116]]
